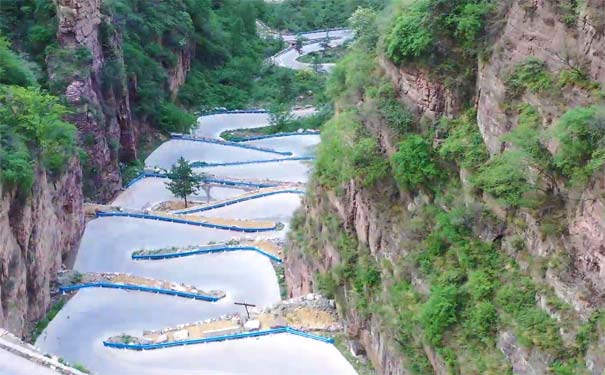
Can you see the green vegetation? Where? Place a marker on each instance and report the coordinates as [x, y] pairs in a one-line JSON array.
[[330, 55], [532, 75], [581, 134], [80, 367], [463, 142], [305, 15], [32, 129], [13, 70], [182, 181], [414, 163], [502, 177], [50, 315], [348, 152], [445, 36], [314, 122], [391, 111]]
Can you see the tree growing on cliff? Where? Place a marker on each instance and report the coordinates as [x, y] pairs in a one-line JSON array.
[[183, 181]]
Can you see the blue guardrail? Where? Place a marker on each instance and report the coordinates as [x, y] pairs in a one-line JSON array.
[[228, 143], [188, 222], [201, 164], [276, 135], [235, 336], [139, 288], [235, 111], [206, 250], [218, 181], [235, 201]]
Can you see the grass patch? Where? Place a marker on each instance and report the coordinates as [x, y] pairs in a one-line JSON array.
[[44, 322]]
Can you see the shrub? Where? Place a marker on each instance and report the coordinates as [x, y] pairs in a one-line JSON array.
[[481, 321], [480, 285], [413, 163], [532, 75], [174, 119], [503, 177], [32, 124], [411, 36], [13, 70], [464, 142], [439, 312], [581, 135]]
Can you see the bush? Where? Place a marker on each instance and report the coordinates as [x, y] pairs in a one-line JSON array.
[[411, 36], [31, 125], [581, 135], [504, 177], [394, 113], [532, 75], [13, 70], [174, 119], [464, 142], [481, 321], [480, 285], [439, 312], [433, 28], [413, 163]]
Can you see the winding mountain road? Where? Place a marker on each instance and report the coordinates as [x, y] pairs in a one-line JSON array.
[[93, 315]]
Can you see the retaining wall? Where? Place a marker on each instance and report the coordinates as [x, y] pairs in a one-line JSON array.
[[234, 111], [140, 288], [227, 143], [235, 201], [276, 135], [188, 222], [201, 164], [218, 181], [206, 250], [204, 340]]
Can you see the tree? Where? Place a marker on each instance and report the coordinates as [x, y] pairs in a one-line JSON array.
[[363, 24], [298, 45], [316, 64], [325, 44], [280, 117], [183, 181], [414, 164]]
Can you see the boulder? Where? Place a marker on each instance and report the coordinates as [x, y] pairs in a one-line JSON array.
[[252, 325], [181, 335]]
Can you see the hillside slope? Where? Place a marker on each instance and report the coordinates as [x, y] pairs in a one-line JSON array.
[[457, 210]]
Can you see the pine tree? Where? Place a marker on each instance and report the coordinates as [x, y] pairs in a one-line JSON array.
[[183, 181]]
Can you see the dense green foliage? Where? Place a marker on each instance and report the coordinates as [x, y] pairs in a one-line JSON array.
[[31, 26], [413, 163], [463, 142], [530, 75], [443, 34], [581, 134], [305, 15], [348, 152], [227, 53], [13, 69], [32, 129]]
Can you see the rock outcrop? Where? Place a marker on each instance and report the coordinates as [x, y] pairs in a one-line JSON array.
[[39, 235]]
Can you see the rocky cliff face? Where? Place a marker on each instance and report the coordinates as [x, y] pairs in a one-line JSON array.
[[102, 95], [39, 234], [99, 130], [377, 218]]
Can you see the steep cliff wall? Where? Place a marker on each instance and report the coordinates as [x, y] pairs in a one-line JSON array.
[[89, 69], [39, 235], [556, 244]]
